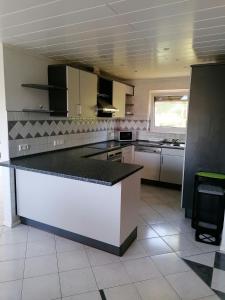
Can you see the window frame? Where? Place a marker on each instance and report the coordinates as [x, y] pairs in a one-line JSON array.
[[162, 129]]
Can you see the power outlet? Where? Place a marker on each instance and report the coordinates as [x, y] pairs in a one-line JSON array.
[[58, 142], [24, 147], [110, 135]]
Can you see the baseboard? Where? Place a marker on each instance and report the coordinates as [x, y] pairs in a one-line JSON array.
[[162, 184], [119, 251]]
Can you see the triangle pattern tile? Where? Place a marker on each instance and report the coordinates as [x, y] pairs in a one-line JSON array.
[[220, 294], [204, 272]]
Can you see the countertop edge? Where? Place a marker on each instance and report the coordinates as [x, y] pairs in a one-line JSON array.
[[8, 164]]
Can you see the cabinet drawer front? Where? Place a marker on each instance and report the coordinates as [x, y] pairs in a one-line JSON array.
[[176, 152]]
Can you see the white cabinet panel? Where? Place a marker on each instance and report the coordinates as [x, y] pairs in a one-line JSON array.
[[119, 98], [129, 90], [151, 163], [88, 94], [73, 91], [127, 154], [172, 169]]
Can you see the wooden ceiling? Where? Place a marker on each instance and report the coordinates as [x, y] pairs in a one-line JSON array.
[[128, 38]]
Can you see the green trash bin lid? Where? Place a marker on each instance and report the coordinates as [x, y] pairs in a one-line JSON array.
[[211, 175]]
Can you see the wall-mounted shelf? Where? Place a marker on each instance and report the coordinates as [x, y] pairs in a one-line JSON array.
[[45, 87], [43, 111], [37, 110]]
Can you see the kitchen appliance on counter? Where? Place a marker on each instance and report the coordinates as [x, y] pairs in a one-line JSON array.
[[126, 136]]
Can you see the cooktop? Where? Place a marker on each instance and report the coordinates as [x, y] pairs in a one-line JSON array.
[[107, 145]]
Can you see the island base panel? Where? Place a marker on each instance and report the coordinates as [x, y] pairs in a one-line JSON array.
[[119, 251]]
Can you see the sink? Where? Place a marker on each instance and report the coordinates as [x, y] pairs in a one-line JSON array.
[[177, 145]]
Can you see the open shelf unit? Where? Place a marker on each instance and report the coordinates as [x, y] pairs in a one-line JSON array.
[[45, 87], [129, 112]]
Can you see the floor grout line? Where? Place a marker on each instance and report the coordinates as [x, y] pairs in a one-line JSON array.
[[86, 252], [122, 262], [57, 261], [25, 254]]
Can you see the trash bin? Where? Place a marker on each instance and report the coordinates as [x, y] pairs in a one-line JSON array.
[[208, 207]]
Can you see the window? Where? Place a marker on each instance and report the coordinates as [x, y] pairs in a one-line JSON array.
[[169, 111]]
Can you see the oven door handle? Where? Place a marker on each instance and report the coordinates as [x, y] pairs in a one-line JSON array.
[[114, 155], [119, 159]]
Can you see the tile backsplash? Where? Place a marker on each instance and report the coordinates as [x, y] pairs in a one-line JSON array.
[[40, 133], [44, 128]]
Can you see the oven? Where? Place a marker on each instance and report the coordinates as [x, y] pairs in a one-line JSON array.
[[115, 155]]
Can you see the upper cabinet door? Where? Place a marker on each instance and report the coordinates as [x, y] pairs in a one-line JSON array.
[[88, 94], [73, 91], [119, 98], [129, 90]]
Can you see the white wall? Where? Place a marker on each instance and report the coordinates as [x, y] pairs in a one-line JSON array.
[[144, 86], [21, 67], [6, 175], [3, 113]]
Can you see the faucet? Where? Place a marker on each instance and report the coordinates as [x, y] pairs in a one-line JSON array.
[[175, 142]]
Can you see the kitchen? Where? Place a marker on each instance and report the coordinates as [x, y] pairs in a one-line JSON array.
[[81, 128]]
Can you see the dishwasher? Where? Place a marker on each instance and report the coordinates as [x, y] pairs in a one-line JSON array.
[[149, 158]]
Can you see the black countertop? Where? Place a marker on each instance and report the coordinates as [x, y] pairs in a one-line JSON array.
[[74, 164], [113, 145]]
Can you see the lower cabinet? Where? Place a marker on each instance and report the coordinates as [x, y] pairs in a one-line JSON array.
[[151, 164], [172, 162], [128, 155], [165, 167]]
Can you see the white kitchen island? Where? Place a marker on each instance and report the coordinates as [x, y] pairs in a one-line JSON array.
[[89, 201], [101, 216]]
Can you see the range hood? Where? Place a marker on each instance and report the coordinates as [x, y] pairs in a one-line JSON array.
[[105, 107]]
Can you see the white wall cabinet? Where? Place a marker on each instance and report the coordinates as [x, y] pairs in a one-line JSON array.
[[88, 94], [172, 162], [150, 162], [73, 92], [128, 155], [129, 90], [119, 98], [79, 98]]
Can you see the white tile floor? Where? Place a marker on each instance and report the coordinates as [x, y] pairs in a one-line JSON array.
[[38, 265]]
